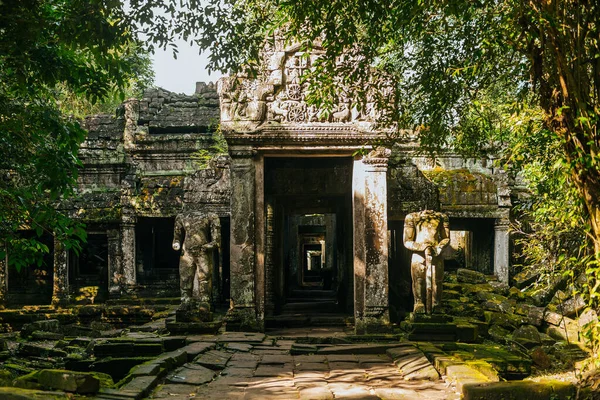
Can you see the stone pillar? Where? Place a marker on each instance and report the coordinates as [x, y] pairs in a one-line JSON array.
[[376, 315], [358, 243], [269, 263], [242, 312], [128, 279], [114, 263], [3, 275], [60, 293], [260, 236], [501, 249]]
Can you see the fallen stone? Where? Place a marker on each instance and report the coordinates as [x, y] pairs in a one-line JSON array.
[[540, 358], [469, 276], [587, 317], [49, 325], [570, 333], [75, 330], [572, 306], [527, 335], [69, 381], [43, 335], [533, 314], [525, 278], [543, 291], [508, 321], [197, 375], [37, 350], [214, 359]]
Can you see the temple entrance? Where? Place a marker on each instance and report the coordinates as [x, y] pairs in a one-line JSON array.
[[309, 239]]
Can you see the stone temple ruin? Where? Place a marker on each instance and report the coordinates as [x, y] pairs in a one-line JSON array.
[[311, 211], [305, 220]]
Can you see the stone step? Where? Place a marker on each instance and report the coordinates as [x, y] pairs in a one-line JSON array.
[[311, 299], [311, 307], [310, 293], [300, 320]]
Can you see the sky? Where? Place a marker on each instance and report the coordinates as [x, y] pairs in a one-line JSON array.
[[181, 75]]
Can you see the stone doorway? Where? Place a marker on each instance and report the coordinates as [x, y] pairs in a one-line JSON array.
[[309, 239]]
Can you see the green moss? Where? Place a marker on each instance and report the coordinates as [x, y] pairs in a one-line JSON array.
[[12, 393]]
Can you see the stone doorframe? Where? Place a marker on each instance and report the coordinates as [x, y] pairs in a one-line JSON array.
[[249, 242]]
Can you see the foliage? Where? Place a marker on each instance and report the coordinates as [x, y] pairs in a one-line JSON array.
[[47, 47], [206, 158]]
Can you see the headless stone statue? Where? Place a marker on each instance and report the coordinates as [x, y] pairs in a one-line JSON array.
[[426, 234], [202, 233]]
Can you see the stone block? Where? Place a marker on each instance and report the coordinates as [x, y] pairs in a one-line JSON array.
[[533, 314], [464, 375], [69, 381], [519, 390], [194, 375], [50, 325], [469, 276], [213, 359], [172, 359], [145, 369], [11, 393], [525, 278], [102, 350], [43, 335], [499, 334], [527, 335], [194, 349], [35, 350], [140, 386], [467, 333]]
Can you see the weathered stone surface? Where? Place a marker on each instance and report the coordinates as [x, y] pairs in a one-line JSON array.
[[140, 386], [464, 375], [197, 375], [540, 357], [11, 393], [43, 335], [193, 349], [525, 278], [50, 325], [572, 306], [145, 369], [534, 315], [69, 381], [499, 334], [527, 335], [469, 276], [519, 390], [213, 359], [31, 349]]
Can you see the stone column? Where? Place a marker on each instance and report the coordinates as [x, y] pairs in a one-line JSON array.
[[259, 238], [501, 249], [358, 243], [114, 263], [3, 275], [60, 293], [242, 312], [128, 278], [376, 240], [269, 263]]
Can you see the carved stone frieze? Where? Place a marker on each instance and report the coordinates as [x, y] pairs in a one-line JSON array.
[[277, 96]]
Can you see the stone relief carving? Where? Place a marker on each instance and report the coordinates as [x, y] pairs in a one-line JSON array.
[[426, 234], [278, 94]]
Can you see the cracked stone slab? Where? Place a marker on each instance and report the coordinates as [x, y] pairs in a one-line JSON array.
[[193, 349], [194, 375], [213, 359]]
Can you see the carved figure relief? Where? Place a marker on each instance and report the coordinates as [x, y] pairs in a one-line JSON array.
[[426, 234], [278, 94], [198, 235]]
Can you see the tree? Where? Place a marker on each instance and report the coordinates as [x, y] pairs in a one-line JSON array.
[[51, 49]]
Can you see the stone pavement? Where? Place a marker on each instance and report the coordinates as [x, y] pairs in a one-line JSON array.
[[255, 366]]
